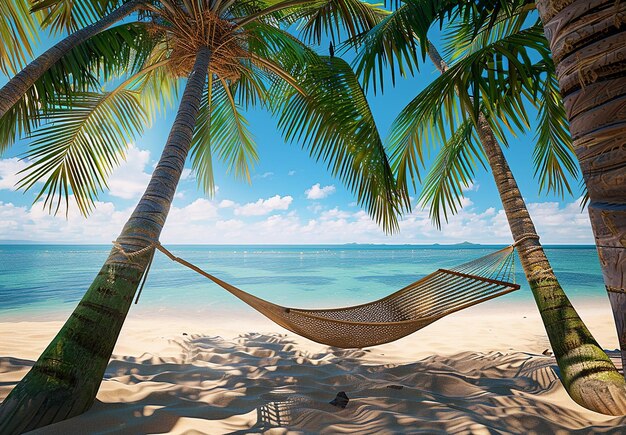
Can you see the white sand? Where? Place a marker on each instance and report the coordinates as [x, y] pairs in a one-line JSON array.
[[478, 371]]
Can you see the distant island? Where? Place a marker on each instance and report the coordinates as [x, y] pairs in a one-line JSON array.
[[413, 244]]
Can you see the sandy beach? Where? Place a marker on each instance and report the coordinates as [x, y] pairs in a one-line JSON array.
[[479, 371]]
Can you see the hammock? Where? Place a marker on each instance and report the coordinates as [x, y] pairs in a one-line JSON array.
[[395, 316]]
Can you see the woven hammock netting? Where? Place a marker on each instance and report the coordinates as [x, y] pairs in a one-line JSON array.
[[403, 312]]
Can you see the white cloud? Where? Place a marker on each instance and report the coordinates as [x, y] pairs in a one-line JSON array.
[[334, 213], [291, 173], [472, 187], [209, 221], [227, 203], [318, 192], [8, 172], [36, 224], [230, 225], [315, 208], [466, 202], [264, 206], [199, 210], [129, 180], [188, 174], [569, 224]]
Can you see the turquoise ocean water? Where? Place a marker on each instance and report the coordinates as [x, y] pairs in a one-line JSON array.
[[45, 282]]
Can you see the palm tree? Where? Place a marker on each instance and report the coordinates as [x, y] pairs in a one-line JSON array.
[[460, 93], [587, 44], [585, 41], [234, 55]]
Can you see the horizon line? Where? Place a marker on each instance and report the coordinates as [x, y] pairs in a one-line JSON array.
[[29, 242]]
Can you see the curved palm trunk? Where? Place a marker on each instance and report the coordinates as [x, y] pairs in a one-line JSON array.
[[64, 381], [22, 81], [587, 42], [588, 374]]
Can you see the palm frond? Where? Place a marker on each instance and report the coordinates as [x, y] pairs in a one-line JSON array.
[[553, 153], [493, 80], [272, 12], [71, 15], [20, 120], [392, 45], [553, 158], [157, 87], [18, 32], [278, 45], [251, 90], [77, 149], [335, 18], [221, 130], [466, 36], [274, 55], [119, 50], [452, 171], [333, 121], [483, 15], [203, 137], [426, 121]]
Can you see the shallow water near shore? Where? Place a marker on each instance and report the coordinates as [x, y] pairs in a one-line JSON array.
[[44, 282]]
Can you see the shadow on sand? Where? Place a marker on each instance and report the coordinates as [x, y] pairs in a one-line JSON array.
[[257, 383]]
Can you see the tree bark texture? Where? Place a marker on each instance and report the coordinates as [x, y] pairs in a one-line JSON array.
[[587, 373], [588, 43], [17, 86], [64, 381]]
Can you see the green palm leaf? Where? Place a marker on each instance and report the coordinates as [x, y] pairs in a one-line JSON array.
[[80, 146], [335, 18], [315, 18], [466, 36], [18, 32], [452, 171], [483, 15], [554, 153], [71, 15], [222, 130], [493, 80], [392, 45], [119, 50], [275, 44], [333, 121]]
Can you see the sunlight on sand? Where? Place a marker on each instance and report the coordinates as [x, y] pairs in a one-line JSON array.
[[161, 380]]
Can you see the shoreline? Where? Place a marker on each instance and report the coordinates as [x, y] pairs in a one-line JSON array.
[[512, 326]]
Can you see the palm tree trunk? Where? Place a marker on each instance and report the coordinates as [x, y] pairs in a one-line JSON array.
[[64, 381], [22, 81], [587, 372], [587, 43]]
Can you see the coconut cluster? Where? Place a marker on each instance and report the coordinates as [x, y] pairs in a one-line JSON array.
[[187, 31]]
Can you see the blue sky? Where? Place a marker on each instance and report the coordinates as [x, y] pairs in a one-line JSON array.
[[291, 200]]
